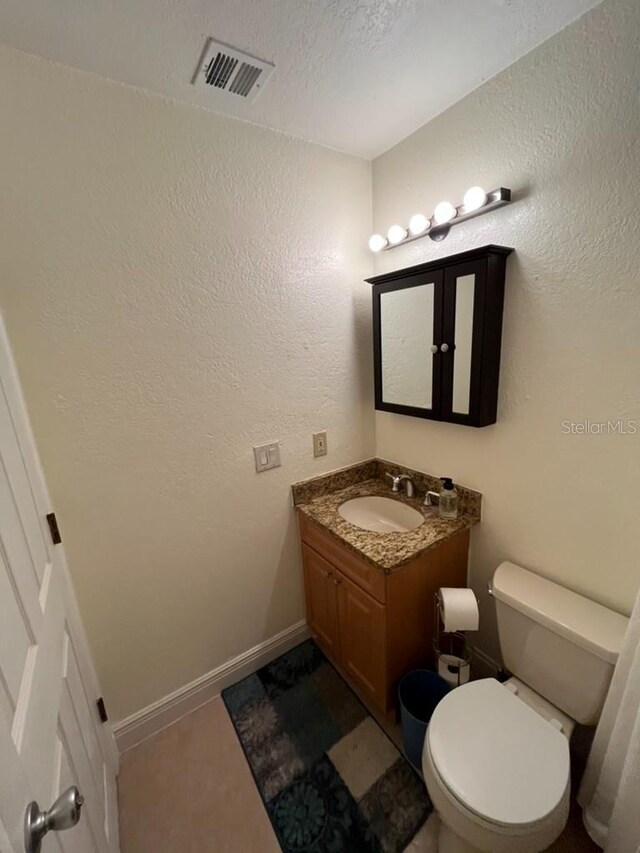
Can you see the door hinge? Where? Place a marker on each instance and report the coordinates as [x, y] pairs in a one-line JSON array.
[[53, 527], [102, 710]]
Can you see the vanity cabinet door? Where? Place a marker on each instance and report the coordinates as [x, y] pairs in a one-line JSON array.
[[363, 638], [322, 601]]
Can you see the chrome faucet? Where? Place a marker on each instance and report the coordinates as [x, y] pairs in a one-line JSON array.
[[396, 479]]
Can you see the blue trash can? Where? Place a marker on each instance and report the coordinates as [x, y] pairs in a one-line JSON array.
[[419, 692]]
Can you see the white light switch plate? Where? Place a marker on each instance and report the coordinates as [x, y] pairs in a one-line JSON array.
[[267, 456], [319, 443]]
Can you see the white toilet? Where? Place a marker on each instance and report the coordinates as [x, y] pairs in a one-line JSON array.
[[496, 755]]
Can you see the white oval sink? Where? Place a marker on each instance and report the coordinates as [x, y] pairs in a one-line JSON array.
[[381, 515]]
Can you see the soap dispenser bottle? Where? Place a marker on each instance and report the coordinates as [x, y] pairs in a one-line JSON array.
[[448, 499]]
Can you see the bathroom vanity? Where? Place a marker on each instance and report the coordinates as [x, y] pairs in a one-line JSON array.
[[370, 595]]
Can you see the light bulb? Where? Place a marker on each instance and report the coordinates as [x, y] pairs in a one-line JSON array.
[[396, 234], [418, 224], [377, 242], [474, 199], [444, 212]]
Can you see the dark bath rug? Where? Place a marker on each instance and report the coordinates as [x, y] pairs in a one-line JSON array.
[[330, 778]]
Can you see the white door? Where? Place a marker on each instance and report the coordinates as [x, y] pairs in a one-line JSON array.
[[51, 736]]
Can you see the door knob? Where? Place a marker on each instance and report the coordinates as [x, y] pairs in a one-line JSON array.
[[434, 348], [444, 348], [63, 814]]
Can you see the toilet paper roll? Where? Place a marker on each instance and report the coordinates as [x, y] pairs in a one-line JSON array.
[[454, 670], [458, 609]]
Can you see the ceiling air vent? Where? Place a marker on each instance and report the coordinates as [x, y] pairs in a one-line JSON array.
[[228, 71]]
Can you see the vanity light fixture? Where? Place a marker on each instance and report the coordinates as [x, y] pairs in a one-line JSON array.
[[476, 202]]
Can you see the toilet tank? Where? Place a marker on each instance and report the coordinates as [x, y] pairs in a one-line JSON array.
[[561, 644]]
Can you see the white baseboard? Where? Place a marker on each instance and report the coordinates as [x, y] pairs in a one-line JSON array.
[[152, 719]]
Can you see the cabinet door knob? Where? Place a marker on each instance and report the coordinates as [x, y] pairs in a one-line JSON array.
[[444, 348], [327, 574], [338, 581], [434, 348]]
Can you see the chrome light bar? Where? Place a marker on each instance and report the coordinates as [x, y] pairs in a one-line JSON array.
[[434, 227]]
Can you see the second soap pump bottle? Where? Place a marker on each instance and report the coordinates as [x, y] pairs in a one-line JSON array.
[[448, 504]]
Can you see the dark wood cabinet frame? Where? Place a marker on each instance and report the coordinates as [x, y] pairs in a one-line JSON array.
[[488, 264]]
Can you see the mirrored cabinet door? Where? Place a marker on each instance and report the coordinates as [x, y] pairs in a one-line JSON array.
[[409, 317], [464, 287]]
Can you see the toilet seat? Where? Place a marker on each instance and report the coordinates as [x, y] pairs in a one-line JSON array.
[[497, 757], [473, 834]]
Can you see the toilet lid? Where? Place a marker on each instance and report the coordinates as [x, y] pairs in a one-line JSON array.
[[496, 755]]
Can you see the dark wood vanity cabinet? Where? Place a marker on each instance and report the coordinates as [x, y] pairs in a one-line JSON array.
[[437, 331]]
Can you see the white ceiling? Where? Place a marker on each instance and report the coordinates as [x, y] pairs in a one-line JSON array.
[[357, 75]]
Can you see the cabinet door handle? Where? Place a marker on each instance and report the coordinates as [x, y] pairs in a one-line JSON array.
[[444, 348], [327, 574], [338, 581], [434, 348]]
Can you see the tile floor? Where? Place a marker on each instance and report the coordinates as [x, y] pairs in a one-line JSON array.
[[189, 789]]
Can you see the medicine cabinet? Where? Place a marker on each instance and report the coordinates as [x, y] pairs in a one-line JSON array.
[[437, 331]]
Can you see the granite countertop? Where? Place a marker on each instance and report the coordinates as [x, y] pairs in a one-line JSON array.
[[385, 551]]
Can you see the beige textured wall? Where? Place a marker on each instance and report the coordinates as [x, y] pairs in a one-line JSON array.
[[178, 287], [562, 128]]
